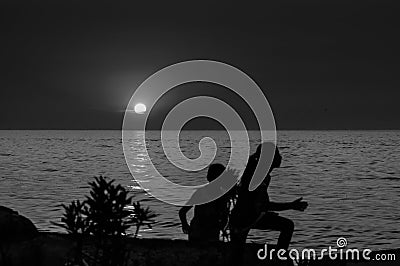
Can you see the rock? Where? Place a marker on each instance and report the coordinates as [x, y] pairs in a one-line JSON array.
[[15, 227], [21, 244]]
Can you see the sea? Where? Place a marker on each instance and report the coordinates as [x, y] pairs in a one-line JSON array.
[[350, 179]]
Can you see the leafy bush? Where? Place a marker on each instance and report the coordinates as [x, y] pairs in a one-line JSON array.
[[142, 216], [74, 220], [107, 213]]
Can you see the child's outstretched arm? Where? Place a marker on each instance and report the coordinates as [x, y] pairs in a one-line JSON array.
[[182, 215], [298, 205]]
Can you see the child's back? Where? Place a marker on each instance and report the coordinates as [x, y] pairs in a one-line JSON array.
[[209, 218]]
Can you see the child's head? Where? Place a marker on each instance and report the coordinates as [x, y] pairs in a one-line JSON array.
[[268, 147], [214, 171]]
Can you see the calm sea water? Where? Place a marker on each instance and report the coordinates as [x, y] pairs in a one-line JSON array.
[[351, 180]]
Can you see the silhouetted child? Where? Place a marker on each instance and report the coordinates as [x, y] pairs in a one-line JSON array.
[[209, 218], [254, 210]]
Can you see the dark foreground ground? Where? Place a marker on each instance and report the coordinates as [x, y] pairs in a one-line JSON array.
[[52, 249], [21, 244]]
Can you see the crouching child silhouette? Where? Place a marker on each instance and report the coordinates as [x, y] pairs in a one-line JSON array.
[[254, 210]]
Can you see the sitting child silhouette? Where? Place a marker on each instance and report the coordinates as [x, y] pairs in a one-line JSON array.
[[209, 218]]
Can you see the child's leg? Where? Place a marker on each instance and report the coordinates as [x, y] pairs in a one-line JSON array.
[[238, 245], [278, 223]]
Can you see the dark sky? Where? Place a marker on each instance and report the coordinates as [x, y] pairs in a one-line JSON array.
[[322, 64]]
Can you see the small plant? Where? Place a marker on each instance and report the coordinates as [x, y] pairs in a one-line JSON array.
[[76, 223], [106, 215], [74, 219], [142, 217]]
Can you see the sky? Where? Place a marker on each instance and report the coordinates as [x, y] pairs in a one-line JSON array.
[[321, 64]]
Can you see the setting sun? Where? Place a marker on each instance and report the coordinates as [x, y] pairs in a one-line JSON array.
[[140, 108]]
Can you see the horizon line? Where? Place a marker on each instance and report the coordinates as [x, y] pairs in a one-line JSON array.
[[110, 129]]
